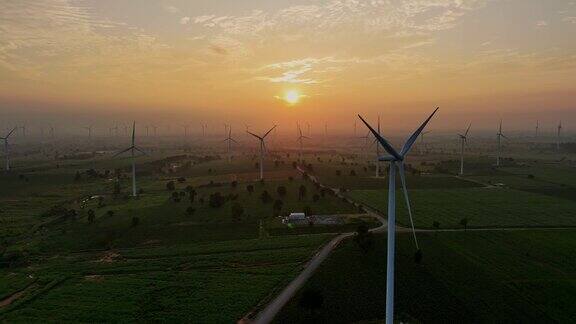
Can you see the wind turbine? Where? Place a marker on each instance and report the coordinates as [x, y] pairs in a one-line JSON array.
[[499, 135], [558, 136], [422, 145], [89, 129], [396, 160], [463, 141], [204, 126], [132, 148], [229, 139], [300, 140], [262, 148], [6, 152], [536, 133], [185, 127]]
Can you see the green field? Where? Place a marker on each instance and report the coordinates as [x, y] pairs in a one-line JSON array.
[[464, 277], [483, 207]]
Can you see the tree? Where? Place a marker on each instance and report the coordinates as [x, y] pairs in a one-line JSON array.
[[281, 190], [234, 184], [237, 212], [91, 216], [189, 189], [265, 197], [77, 177], [170, 186], [308, 211], [175, 196], [364, 238], [338, 172], [190, 211], [464, 222], [316, 197], [181, 179], [418, 256], [100, 201], [301, 192], [352, 173], [135, 221], [278, 205], [216, 200], [436, 225], [311, 300], [110, 213], [250, 188]]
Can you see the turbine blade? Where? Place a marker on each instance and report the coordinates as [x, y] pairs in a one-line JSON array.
[[133, 132], [268, 132], [467, 130], [10, 133], [415, 135], [403, 179], [140, 150], [124, 151], [382, 141], [254, 135]]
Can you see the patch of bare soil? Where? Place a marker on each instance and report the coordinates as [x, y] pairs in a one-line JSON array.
[[110, 256]]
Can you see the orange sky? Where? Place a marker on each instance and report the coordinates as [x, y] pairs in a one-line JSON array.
[[235, 60]]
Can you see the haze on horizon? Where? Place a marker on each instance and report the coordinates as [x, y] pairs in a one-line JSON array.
[[174, 60]]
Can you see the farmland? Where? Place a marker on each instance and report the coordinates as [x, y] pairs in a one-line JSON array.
[[465, 277]]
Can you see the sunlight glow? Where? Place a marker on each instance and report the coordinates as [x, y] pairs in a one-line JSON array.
[[292, 97]]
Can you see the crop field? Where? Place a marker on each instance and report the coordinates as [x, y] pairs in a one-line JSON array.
[[483, 207], [513, 276], [215, 281]]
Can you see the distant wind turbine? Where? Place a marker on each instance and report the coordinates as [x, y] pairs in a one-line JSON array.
[[133, 148], [229, 139], [89, 129], [396, 159], [262, 149], [6, 148], [499, 137], [185, 127], [536, 132], [558, 136], [300, 140], [463, 141]]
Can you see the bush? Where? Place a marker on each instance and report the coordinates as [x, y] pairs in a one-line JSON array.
[[190, 211], [170, 186], [250, 188], [265, 197], [281, 191], [135, 221], [216, 200], [237, 212]]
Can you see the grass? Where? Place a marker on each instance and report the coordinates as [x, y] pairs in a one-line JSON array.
[[211, 281], [464, 277], [483, 207]]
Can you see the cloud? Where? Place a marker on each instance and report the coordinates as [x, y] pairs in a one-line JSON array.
[[170, 8], [184, 20], [571, 20], [541, 23]]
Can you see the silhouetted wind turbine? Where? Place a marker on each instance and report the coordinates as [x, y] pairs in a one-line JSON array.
[[499, 137], [6, 149], [536, 132], [89, 128], [396, 159], [558, 136], [133, 148], [300, 140], [463, 141], [262, 148]]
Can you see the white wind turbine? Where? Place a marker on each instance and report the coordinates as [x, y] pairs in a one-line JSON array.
[[89, 129], [536, 132], [6, 149], [262, 149], [463, 141], [499, 136], [229, 139], [300, 140], [133, 148], [396, 160]]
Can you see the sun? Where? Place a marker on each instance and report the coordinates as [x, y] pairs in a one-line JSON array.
[[292, 97]]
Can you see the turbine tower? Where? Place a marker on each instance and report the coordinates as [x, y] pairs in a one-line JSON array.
[[185, 127], [132, 148], [463, 141], [396, 159], [558, 136], [536, 132], [300, 140], [229, 139], [89, 129], [499, 136], [6, 151], [262, 148]]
